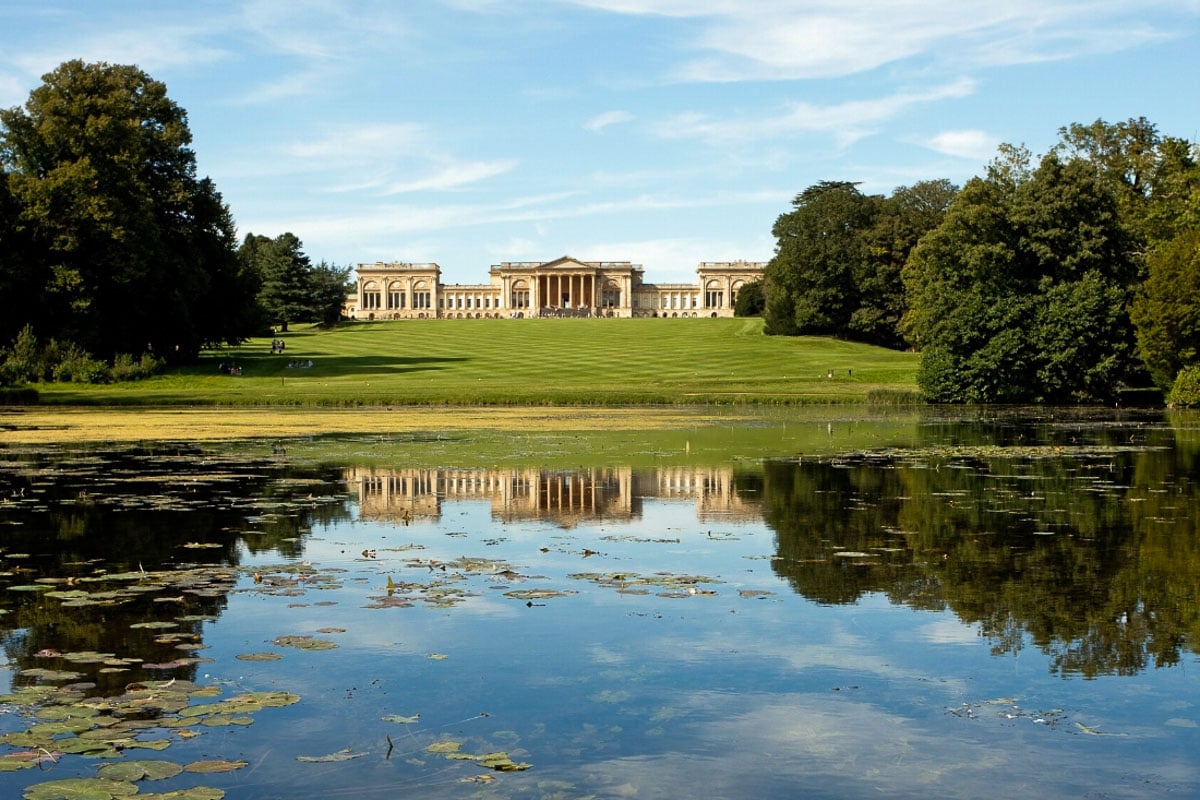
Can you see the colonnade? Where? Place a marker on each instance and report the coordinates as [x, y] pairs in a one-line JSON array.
[[564, 290]]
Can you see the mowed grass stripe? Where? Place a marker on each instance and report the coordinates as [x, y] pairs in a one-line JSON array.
[[552, 361]]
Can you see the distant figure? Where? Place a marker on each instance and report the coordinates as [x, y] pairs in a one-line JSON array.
[[829, 374]]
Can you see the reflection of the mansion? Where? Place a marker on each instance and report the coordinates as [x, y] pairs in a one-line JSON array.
[[564, 498]]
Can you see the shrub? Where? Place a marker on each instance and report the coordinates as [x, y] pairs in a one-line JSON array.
[[1186, 391], [124, 368], [76, 365], [23, 363]]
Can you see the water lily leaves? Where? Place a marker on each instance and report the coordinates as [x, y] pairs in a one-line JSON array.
[[140, 770], [304, 642], [499, 761], [340, 755], [51, 674], [269, 699], [9, 764], [537, 594], [214, 766], [629, 582], [80, 789], [402, 720], [258, 656], [195, 793]]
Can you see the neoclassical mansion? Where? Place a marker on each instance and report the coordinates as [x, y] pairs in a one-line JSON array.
[[564, 287]]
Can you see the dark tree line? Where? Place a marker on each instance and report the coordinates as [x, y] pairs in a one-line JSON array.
[[1063, 280], [109, 240]]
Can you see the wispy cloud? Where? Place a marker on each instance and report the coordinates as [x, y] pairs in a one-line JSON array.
[[849, 121], [602, 121], [323, 30], [382, 159], [452, 176], [154, 48], [973, 144], [785, 39]]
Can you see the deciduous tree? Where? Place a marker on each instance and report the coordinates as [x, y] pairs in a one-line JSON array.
[[1019, 296], [128, 249]]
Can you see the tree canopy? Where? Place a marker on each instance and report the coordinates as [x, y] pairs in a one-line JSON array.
[[122, 248], [1058, 279], [839, 254], [292, 289], [1019, 295]]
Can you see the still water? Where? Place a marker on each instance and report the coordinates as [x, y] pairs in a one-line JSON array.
[[995, 609]]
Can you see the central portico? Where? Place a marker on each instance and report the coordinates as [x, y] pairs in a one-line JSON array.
[[563, 287], [567, 285]]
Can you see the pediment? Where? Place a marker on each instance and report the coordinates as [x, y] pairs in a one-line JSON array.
[[566, 262]]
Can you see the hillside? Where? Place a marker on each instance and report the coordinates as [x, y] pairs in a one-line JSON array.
[[522, 362]]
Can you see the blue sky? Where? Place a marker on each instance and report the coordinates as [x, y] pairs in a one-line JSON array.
[[663, 132]]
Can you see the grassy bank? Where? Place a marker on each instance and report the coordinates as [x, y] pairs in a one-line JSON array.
[[522, 362]]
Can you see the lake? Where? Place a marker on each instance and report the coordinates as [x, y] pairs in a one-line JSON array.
[[983, 603]]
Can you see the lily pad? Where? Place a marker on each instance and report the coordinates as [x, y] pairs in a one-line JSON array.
[[80, 789], [258, 656], [304, 642], [140, 770], [537, 594]]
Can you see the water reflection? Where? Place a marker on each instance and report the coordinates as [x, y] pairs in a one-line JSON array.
[[1089, 554], [564, 498], [636, 629]]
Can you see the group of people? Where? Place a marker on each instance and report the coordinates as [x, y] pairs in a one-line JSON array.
[[277, 346]]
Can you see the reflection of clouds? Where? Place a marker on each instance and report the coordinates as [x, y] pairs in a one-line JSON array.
[[842, 651], [821, 746], [818, 745], [949, 631]]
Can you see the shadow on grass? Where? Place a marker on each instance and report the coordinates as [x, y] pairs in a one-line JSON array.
[[271, 365]]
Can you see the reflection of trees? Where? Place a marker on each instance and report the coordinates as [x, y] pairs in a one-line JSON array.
[[178, 521], [1092, 558]]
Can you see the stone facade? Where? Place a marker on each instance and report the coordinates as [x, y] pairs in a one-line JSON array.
[[564, 287]]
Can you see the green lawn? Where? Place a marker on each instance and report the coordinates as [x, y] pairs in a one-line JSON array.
[[552, 361]]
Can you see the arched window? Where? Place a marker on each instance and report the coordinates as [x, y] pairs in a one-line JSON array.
[[371, 297], [395, 295], [519, 297], [713, 296], [422, 298]]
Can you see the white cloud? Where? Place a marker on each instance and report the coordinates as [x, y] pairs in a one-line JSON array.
[[787, 39], [323, 30], [152, 48], [357, 144], [973, 144], [602, 121], [452, 176], [850, 120]]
